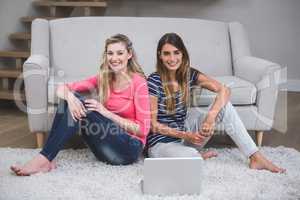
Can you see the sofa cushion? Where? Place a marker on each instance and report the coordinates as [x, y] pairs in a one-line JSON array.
[[242, 92]]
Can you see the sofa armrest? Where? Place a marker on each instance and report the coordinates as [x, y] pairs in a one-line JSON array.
[[35, 72], [36, 75], [266, 77]]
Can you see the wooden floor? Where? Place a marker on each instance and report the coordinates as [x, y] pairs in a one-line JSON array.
[[14, 131]]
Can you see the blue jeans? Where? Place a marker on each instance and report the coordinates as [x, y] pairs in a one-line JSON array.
[[107, 140]]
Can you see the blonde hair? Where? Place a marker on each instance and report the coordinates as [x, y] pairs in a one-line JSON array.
[[182, 73], [106, 75]]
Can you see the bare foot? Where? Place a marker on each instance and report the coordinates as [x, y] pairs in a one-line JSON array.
[[38, 164], [258, 161], [209, 154]]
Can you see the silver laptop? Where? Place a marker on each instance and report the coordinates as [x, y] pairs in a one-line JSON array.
[[167, 176]]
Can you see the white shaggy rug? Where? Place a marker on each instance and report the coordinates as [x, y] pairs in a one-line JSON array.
[[80, 176]]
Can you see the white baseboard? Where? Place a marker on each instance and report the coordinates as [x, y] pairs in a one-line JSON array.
[[292, 85]]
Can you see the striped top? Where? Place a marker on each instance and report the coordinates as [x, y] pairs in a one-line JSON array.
[[174, 120]]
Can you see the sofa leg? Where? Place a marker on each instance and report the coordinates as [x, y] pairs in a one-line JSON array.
[[40, 139], [259, 138]]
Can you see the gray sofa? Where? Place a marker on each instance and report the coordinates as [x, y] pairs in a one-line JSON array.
[[70, 49]]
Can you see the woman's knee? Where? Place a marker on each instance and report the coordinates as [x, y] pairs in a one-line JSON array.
[[227, 108], [228, 105]]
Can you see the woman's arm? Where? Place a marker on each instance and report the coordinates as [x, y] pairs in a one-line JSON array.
[[223, 94], [141, 103], [76, 108], [65, 91], [128, 125], [141, 124], [157, 127]]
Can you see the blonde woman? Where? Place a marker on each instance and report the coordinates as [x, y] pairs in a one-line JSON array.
[[115, 126], [169, 96]]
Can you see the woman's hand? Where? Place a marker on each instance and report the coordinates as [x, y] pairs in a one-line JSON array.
[[194, 138], [94, 105], [76, 107], [208, 127]]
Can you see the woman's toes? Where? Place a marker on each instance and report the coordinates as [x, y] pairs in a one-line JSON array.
[[209, 154], [18, 171], [282, 170], [21, 173], [15, 169], [279, 170]]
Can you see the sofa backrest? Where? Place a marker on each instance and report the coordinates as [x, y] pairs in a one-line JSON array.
[[76, 44]]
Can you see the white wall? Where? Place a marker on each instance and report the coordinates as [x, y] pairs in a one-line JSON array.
[[273, 26]]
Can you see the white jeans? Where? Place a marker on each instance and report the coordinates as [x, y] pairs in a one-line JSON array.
[[227, 117]]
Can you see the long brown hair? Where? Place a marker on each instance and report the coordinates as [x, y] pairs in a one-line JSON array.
[[182, 73], [106, 75]]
